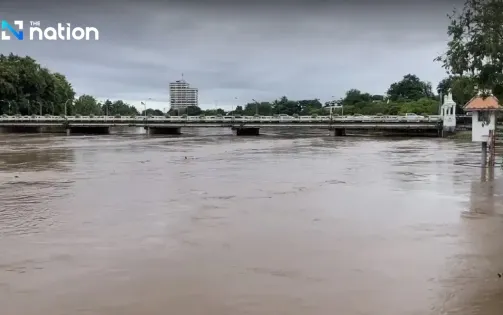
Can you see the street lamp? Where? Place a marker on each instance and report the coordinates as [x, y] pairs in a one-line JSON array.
[[236, 99], [256, 106], [65, 105], [145, 111], [145, 105]]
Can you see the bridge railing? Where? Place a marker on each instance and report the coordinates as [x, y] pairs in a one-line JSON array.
[[219, 119]]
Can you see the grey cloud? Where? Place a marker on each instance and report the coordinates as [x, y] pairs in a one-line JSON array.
[[248, 50]]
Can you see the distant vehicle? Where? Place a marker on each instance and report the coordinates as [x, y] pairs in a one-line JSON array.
[[413, 116]]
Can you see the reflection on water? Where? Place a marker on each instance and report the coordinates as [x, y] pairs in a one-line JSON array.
[[216, 224]]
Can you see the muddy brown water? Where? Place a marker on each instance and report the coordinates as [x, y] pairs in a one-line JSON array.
[[124, 224]]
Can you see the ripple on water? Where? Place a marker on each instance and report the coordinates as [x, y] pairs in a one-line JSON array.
[[303, 222]]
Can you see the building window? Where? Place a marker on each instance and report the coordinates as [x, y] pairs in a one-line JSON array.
[[483, 116]]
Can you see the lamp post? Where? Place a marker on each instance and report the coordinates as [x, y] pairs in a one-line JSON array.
[[65, 105], [145, 110], [145, 105], [236, 99], [256, 106]]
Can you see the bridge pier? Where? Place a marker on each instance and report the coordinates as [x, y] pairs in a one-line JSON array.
[[88, 130], [245, 131], [21, 129], [337, 132], [163, 130]]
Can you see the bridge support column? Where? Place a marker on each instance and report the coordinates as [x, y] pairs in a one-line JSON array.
[[337, 132], [163, 130], [447, 131], [244, 131], [88, 130], [21, 129]]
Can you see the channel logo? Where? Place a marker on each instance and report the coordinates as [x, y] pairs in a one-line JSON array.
[[7, 27], [63, 31]]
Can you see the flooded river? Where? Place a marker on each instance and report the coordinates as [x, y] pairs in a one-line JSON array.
[[216, 224]]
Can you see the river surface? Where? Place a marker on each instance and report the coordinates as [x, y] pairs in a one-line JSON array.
[[216, 224]]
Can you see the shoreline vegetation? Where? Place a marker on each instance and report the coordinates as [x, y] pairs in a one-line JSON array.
[[27, 88]]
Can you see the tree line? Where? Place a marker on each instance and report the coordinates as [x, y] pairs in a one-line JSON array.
[[473, 61], [27, 88]]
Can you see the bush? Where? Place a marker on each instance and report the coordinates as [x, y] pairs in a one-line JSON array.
[[33, 116], [184, 116], [78, 115], [117, 116], [314, 116], [296, 115]]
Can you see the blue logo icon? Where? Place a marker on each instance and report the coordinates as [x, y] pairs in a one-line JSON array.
[[6, 26]]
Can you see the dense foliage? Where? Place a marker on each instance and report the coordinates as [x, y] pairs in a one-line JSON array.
[[27, 88], [474, 56]]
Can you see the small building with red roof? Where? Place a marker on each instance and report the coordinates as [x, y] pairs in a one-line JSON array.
[[483, 109]]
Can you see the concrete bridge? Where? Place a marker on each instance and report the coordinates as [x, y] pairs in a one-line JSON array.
[[241, 125]]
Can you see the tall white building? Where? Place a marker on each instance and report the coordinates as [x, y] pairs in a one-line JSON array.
[[182, 95]]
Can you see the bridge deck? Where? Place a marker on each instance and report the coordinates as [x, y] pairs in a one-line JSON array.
[[347, 122]]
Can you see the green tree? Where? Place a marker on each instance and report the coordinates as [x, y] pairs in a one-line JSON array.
[[87, 105], [27, 88], [355, 96], [475, 48], [238, 110], [310, 107], [410, 88], [263, 108], [286, 106]]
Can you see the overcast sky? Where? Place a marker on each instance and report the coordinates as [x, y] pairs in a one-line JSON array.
[[237, 49]]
